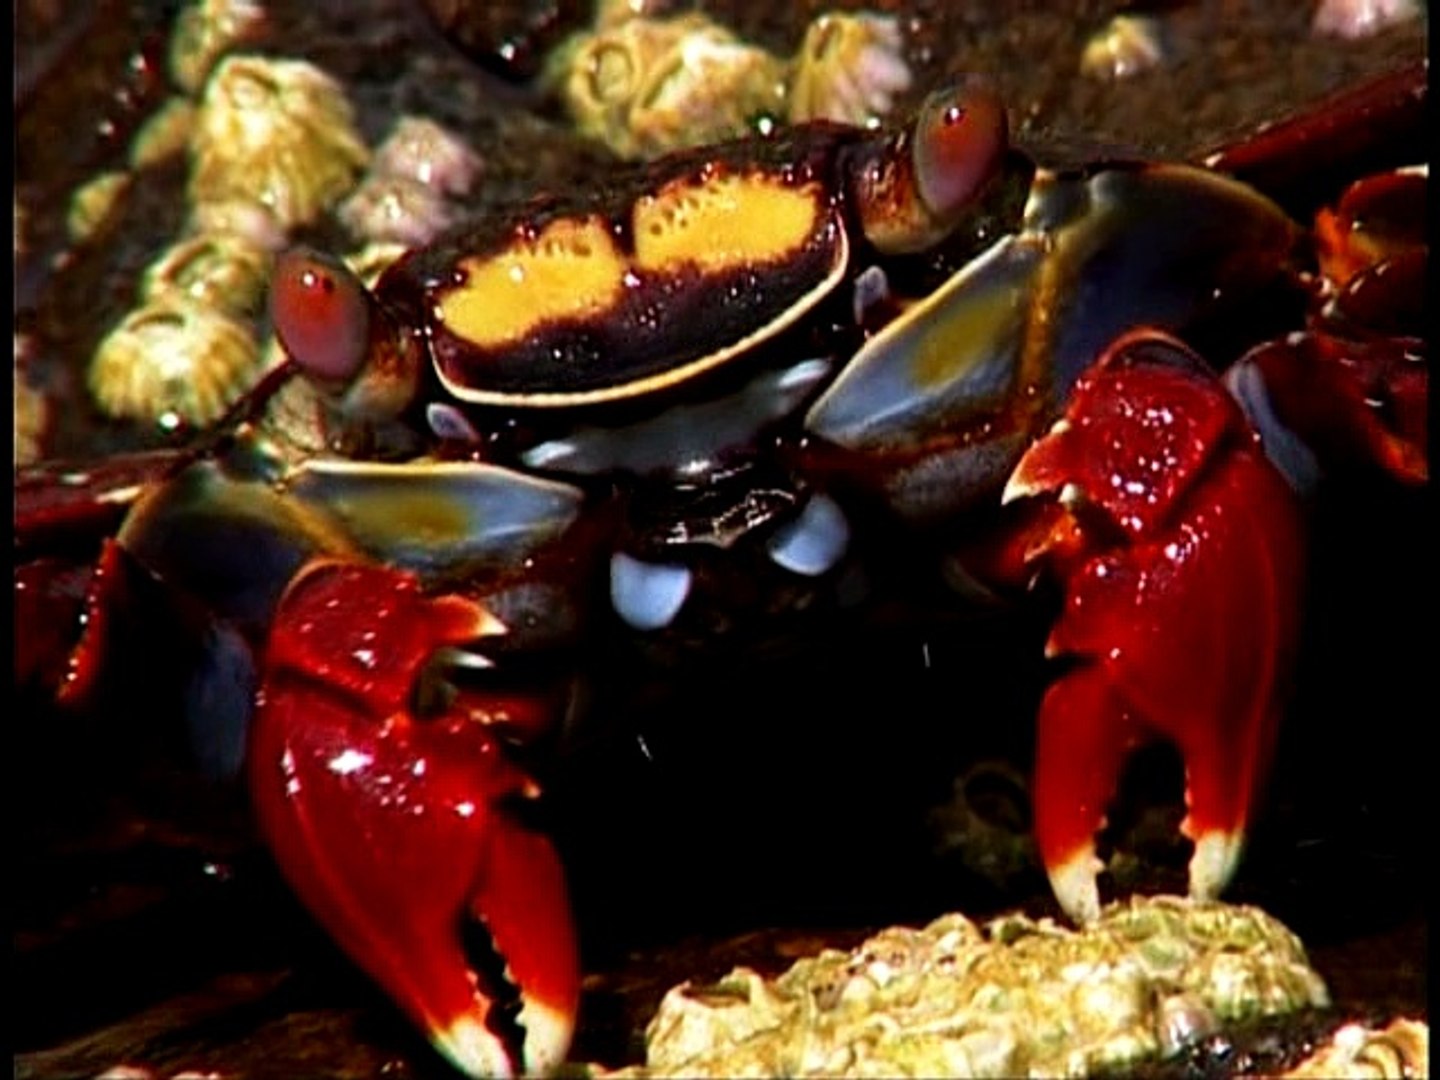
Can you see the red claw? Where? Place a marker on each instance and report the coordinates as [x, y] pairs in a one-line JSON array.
[[65, 615], [395, 829], [1181, 607]]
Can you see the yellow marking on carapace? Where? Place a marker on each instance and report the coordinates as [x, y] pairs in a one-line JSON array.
[[839, 260], [571, 271], [724, 222]]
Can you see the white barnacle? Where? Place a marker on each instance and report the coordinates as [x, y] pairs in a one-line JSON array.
[[645, 86], [172, 358], [279, 133], [219, 269], [205, 31], [850, 68]]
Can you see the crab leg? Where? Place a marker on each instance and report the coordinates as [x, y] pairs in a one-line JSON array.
[[397, 828], [388, 796], [1182, 558], [937, 407], [1351, 389]]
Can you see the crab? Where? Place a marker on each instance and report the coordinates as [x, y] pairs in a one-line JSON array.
[[630, 412]]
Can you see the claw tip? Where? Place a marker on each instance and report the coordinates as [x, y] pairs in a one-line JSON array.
[[473, 1049], [1217, 854], [1017, 487], [547, 1035], [1074, 884]]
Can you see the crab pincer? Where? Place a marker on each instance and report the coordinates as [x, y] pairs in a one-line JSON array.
[[394, 819], [1181, 551]]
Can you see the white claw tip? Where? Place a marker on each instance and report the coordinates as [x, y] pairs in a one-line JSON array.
[[547, 1036], [1016, 488], [1217, 855], [1074, 883], [472, 1048], [1072, 495]]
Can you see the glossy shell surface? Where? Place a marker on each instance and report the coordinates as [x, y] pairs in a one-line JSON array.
[[567, 303]]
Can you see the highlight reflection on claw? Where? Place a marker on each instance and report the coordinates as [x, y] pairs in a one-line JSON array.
[[394, 827]]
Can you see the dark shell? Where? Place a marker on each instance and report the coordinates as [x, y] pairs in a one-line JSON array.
[[690, 263]]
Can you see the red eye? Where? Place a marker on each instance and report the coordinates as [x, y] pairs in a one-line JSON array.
[[961, 137], [321, 314]]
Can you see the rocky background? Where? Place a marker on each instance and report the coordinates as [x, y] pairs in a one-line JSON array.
[[777, 802]]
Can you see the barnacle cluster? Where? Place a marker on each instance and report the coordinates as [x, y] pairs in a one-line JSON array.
[[276, 132], [1016, 997], [1397, 1051], [647, 85], [402, 199], [272, 144]]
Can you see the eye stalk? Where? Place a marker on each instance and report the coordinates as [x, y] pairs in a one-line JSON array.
[[339, 337], [914, 187]]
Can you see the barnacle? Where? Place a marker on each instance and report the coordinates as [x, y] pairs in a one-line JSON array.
[[32, 408], [164, 135], [173, 360], [251, 221], [1126, 45], [94, 204], [403, 197], [279, 133], [1355, 19], [422, 150], [1015, 997], [395, 209], [219, 270], [647, 86], [850, 68], [205, 31]]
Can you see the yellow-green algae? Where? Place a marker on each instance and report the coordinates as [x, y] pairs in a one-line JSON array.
[[1015, 997]]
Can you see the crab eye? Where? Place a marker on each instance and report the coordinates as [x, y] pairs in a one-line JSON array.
[[914, 187], [321, 314], [961, 136]]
